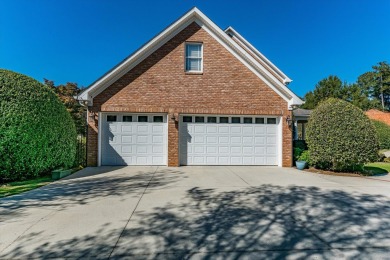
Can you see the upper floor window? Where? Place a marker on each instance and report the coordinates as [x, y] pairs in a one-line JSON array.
[[194, 55]]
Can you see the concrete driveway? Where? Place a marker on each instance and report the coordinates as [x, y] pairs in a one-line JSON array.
[[199, 212]]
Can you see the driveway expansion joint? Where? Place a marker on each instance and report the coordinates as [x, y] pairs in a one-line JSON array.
[[132, 213]]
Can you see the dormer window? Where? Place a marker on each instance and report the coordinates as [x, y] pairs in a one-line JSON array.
[[194, 57]]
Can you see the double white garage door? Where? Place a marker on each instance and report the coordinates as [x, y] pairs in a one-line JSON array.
[[142, 139]]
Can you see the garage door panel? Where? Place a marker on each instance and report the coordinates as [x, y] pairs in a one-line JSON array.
[[127, 139], [223, 149], [247, 140], [212, 139], [133, 143], [142, 129], [158, 129], [260, 150], [158, 149], [235, 140], [142, 149], [235, 149], [223, 139], [199, 149], [126, 149], [211, 129], [223, 129], [211, 149], [198, 160], [247, 130], [142, 139], [236, 129], [157, 139], [247, 150], [271, 130], [247, 160], [199, 139], [259, 130], [236, 160], [229, 143], [271, 150], [199, 129], [259, 140], [211, 160]]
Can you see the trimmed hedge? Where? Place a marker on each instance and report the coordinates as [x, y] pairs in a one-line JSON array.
[[383, 132], [37, 134], [340, 137]]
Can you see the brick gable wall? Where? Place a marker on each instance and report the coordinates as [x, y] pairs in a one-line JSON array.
[[160, 84]]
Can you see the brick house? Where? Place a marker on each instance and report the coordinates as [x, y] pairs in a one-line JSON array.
[[193, 95]]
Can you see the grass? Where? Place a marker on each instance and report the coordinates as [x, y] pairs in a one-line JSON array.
[[377, 168], [13, 188]]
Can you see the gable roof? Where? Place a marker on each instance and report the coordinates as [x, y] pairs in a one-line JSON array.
[[258, 64]]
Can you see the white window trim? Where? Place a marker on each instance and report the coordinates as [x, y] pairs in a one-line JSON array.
[[201, 57]]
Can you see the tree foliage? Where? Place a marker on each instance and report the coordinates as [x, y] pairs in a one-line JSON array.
[[366, 93], [37, 134], [66, 93], [383, 131], [340, 136]]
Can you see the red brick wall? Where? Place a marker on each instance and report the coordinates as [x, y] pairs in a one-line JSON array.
[[160, 84]]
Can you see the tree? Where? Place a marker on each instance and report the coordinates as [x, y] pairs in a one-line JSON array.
[[340, 137], [329, 87], [37, 134], [66, 93], [377, 84]]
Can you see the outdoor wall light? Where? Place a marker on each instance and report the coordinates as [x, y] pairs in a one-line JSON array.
[[288, 120]]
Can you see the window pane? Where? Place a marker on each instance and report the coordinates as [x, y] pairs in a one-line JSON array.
[[111, 118], [199, 119], [236, 120], [158, 119], [224, 119], [194, 50], [193, 64], [211, 119], [259, 120], [142, 118], [271, 120], [247, 120], [187, 119], [127, 119]]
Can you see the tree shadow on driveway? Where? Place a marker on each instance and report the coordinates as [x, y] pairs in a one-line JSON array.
[[267, 221], [81, 189]]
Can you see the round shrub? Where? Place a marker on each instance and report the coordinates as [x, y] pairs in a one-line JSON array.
[[383, 132], [37, 134], [340, 137]]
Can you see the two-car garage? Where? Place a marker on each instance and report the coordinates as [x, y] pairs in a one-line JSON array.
[[142, 139]]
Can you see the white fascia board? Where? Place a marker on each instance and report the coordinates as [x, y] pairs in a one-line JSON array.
[[255, 51]]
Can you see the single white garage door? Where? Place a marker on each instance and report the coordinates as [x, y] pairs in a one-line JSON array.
[[134, 139], [228, 140]]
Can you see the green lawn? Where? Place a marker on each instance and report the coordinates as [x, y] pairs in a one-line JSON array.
[[377, 168], [17, 187]]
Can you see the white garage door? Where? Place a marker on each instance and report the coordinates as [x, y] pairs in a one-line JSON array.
[[228, 140], [134, 139]]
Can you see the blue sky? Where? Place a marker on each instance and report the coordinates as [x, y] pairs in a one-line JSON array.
[[79, 40]]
